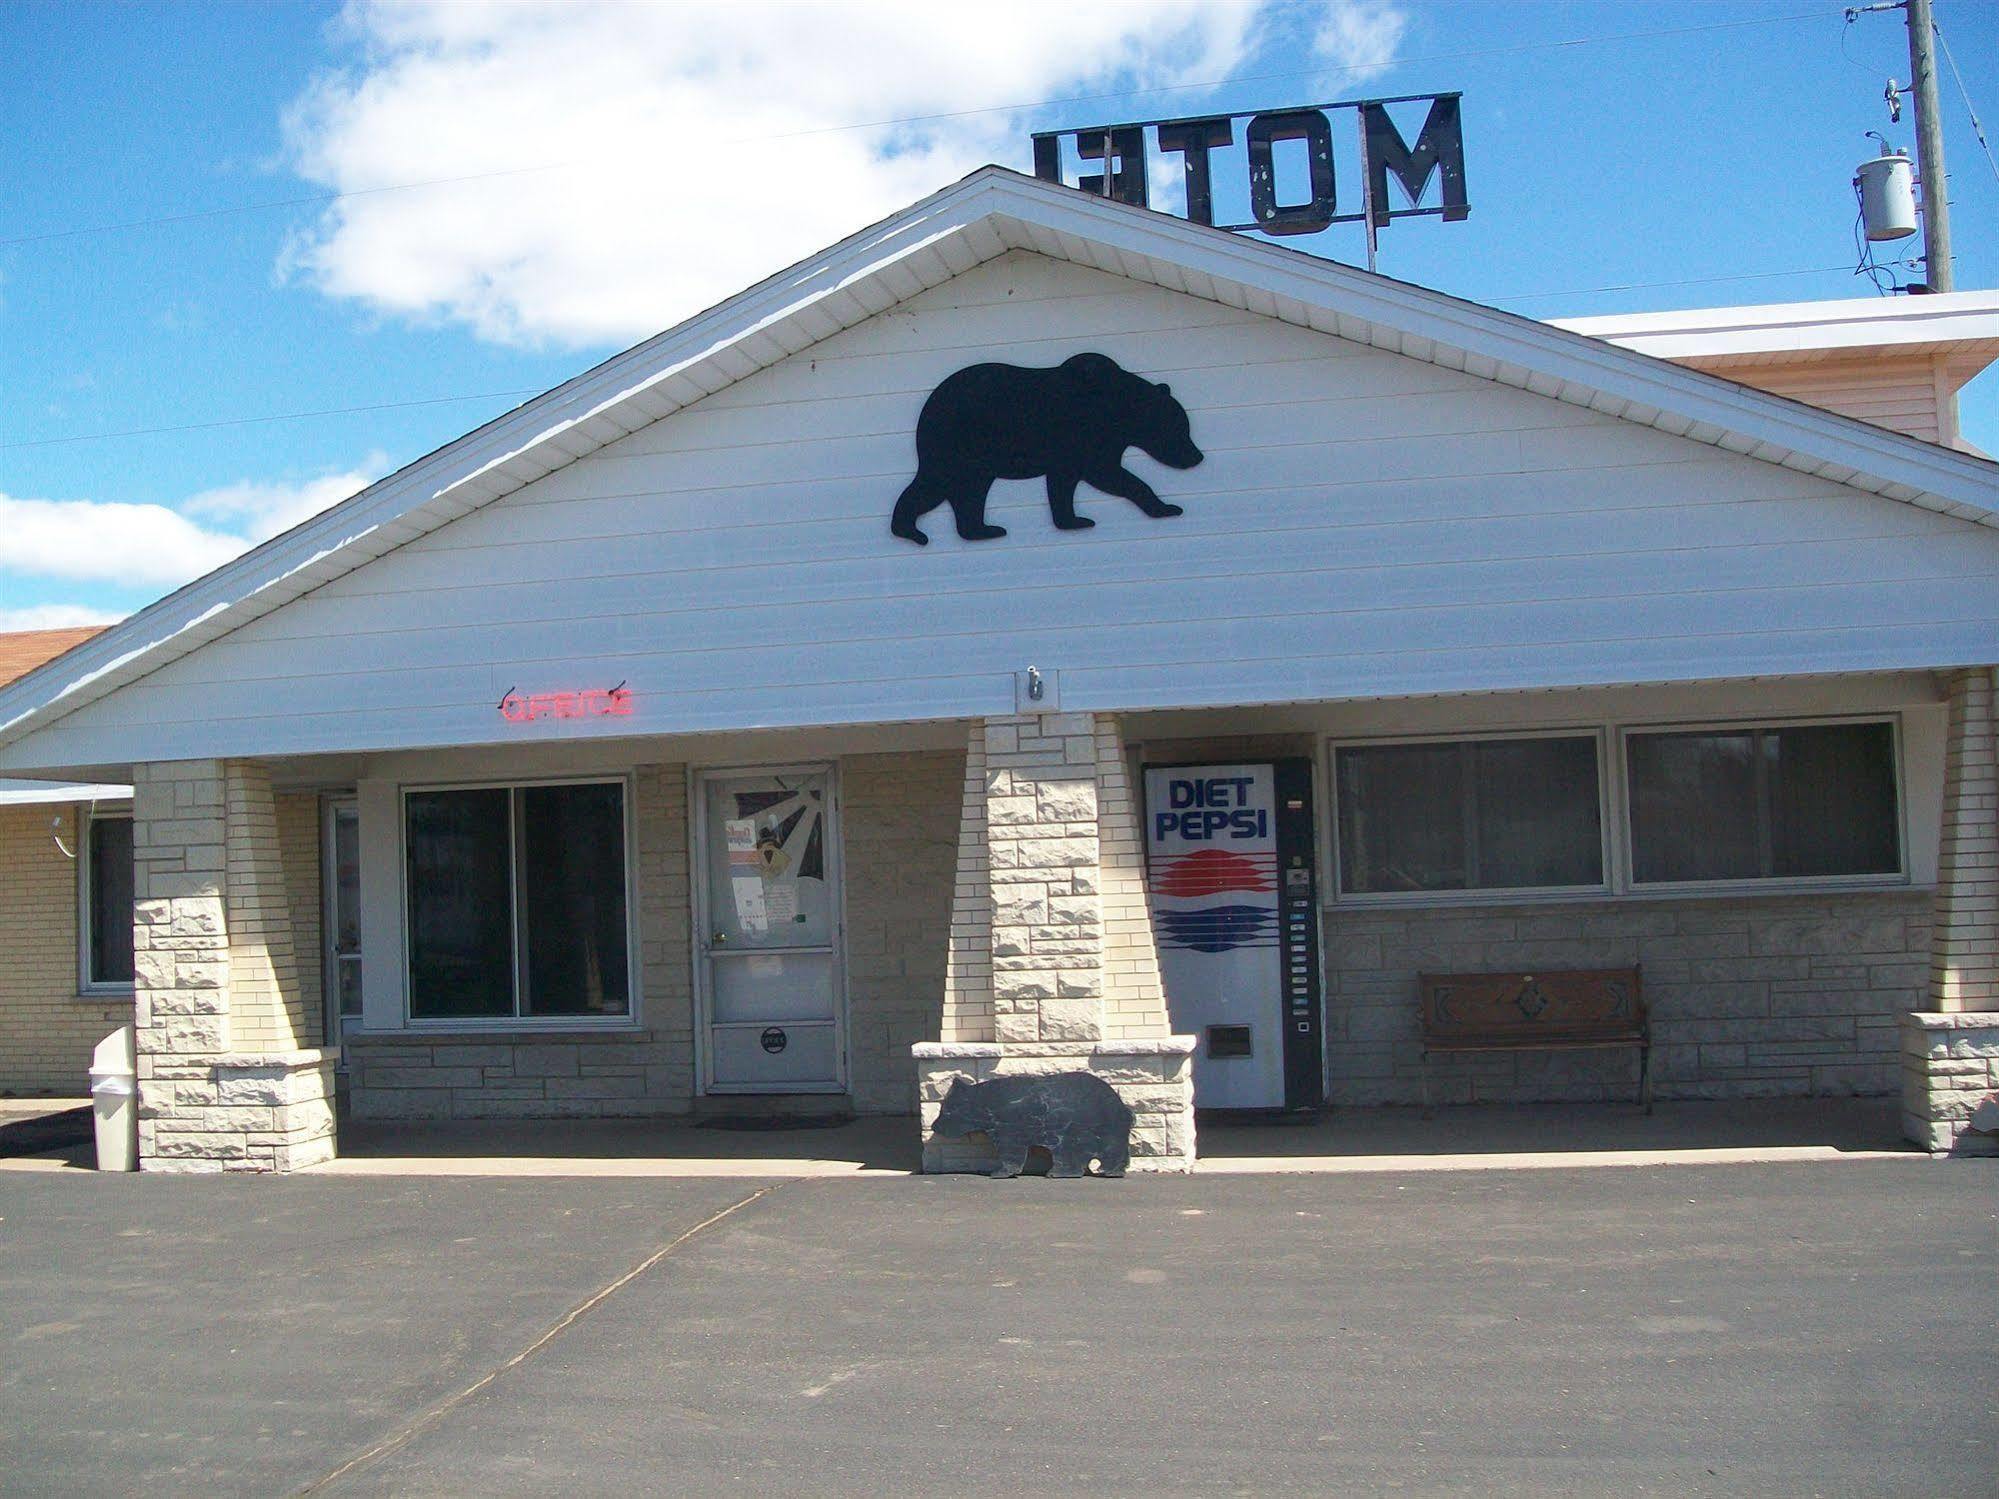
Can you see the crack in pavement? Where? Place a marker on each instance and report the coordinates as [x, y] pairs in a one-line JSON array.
[[437, 1412]]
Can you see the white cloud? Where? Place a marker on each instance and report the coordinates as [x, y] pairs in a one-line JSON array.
[[1362, 38], [91, 539], [262, 510], [55, 617], [693, 140], [159, 545]]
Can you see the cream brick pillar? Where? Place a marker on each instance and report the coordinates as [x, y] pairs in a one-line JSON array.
[[1051, 965], [229, 1077], [968, 961], [1950, 1054]]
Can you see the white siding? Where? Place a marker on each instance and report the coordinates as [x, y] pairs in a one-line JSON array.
[[1903, 395], [1365, 525]]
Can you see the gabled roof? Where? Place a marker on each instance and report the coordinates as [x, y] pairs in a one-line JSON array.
[[985, 215]]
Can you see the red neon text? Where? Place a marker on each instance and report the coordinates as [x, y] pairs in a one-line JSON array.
[[592, 702]]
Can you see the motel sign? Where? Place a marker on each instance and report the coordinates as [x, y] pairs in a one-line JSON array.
[[1121, 153]]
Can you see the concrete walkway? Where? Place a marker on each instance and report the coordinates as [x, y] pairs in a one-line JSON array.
[[1362, 1140], [1471, 1138], [1484, 1137], [44, 1126]]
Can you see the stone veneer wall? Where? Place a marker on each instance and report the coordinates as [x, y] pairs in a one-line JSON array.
[[1051, 965], [1750, 997], [47, 1031], [226, 1081], [1950, 1082]]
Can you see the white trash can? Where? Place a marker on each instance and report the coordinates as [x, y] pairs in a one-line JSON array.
[[114, 1098]]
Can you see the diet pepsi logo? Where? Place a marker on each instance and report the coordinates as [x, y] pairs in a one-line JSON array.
[[1189, 911], [1201, 808], [1213, 866]]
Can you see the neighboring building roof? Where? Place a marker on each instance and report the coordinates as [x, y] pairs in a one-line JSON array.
[[1897, 362], [988, 214], [21, 651], [1961, 324]]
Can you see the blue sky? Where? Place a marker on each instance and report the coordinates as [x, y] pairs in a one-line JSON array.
[[597, 171]]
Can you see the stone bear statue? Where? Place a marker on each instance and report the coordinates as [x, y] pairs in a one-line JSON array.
[[1076, 1116], [1071, 424]]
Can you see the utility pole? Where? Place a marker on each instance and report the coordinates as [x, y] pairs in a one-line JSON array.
[[1929, 145]]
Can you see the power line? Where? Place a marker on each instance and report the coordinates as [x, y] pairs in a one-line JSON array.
[[314, 199], [1964, 93], [1584, 291], [282, 416]]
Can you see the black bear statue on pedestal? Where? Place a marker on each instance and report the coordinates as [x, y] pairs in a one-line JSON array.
[[1076, 1117], [1071, 424]]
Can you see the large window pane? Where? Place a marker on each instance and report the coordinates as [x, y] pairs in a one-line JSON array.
[[1776, 803], [1538, 819], [1832, 800], [460, 893], [1401, 818], [572, 843], [1693, 806], [110, 900], [1501, 814]]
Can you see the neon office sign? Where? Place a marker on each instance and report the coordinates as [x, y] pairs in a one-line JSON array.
[[588, 702], [1307, 200]]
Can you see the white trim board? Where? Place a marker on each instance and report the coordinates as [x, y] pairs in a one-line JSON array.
[[972, 221], [48, 793], [1962, 323]]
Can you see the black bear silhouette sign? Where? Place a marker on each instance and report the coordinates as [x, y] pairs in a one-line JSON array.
[[1070, 424]]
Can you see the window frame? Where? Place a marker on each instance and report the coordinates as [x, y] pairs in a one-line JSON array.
[[1338, 896], [1763, 884], [631, 1020], [331, 805], [88, 985]]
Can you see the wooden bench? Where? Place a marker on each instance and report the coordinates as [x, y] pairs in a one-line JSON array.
[[1547, 1010]]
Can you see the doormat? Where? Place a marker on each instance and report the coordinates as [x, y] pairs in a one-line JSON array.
[[767, 1123], [45, 1132]]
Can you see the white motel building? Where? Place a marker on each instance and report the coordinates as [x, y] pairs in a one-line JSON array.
[[1288, 647]]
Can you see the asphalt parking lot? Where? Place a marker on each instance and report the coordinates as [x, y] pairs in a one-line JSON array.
[[1771, 1329]]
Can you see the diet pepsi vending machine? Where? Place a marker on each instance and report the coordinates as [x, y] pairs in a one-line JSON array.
[[1231, 874]]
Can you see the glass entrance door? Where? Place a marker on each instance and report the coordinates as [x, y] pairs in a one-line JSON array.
[[770, 933], [340, 918]]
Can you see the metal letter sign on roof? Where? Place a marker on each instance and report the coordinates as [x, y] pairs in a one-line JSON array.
[[1438, 154]]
